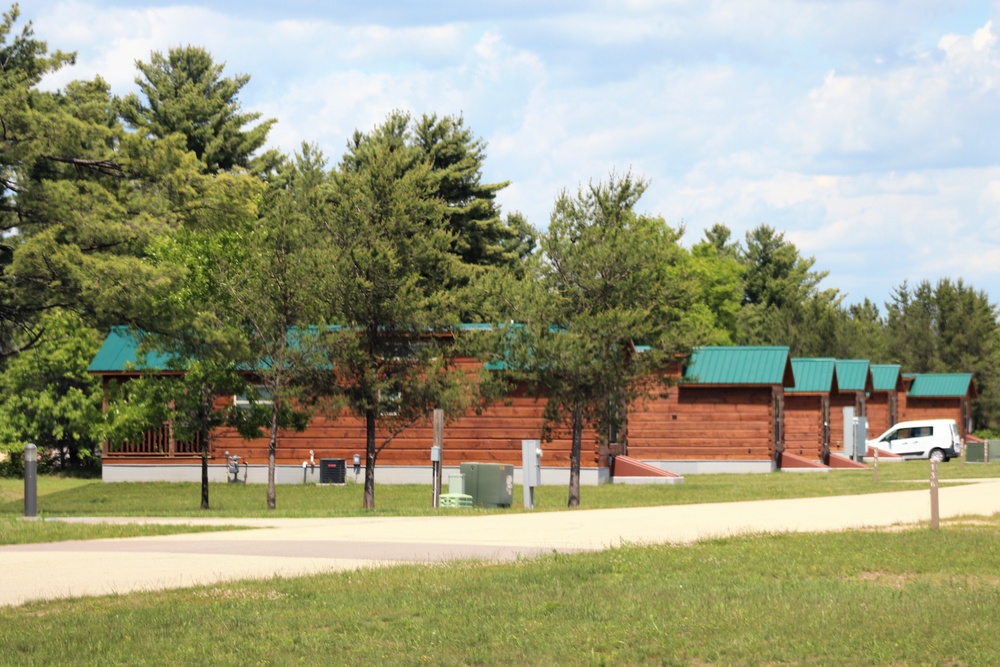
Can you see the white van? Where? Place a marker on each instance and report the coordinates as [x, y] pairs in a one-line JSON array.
[[936, 439]]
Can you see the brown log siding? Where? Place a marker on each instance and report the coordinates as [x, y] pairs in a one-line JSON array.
[[839, 401], [493, 436], [804, 425], [704, 423], [880, 412], [911, 409]]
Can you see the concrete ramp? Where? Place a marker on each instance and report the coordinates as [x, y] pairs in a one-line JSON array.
[[841, 461], [632, 471], [882, 454], [795, 463]]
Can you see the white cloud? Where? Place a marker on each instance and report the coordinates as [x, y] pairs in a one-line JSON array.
[[381, 43], [863, 129], [984, 38]]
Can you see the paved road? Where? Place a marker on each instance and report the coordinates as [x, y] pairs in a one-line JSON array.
[[290, 547]]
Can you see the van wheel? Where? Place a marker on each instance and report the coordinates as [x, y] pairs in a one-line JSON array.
[[936, 455]]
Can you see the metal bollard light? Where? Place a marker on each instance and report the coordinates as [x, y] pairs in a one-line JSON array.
[[30, 481], [935, 513]]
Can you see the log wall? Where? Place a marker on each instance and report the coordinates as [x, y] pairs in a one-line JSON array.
[[804, 425], [691, 423], [880, 412], [839, 401], [704, 423], [494, 436], [911, 409]]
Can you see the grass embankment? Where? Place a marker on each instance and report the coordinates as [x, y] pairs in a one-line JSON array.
[[910, 597]]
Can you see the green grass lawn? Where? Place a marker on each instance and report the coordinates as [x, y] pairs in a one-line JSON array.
[[909, 597], [67, 497], [75, 497], [16, 531]]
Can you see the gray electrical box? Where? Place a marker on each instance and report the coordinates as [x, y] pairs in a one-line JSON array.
[[531, 462], [855, 435], [489, 484], [860, 438], [531, 469], [849, 433]]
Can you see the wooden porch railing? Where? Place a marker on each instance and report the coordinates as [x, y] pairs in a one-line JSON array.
[[155, 442]]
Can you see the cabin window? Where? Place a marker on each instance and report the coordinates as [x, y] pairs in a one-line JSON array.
[[389, 402], [258, 396]]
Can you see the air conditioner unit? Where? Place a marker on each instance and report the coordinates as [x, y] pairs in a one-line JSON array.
[[332, 471]]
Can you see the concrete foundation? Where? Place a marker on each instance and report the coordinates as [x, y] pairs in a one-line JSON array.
[[257, 474], [648, 480], [713, 467]]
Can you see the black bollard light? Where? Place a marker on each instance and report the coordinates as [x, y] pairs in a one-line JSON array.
[[30, 481]]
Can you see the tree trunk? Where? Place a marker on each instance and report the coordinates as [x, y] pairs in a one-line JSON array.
[[204, 410], [574, 457], [203, 436], [370, 454], [272, 445]]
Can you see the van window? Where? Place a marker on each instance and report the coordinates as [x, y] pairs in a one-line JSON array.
[[899, 434], [922, 432]]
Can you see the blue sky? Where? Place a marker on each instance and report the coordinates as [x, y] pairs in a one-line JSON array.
[[865, 130]]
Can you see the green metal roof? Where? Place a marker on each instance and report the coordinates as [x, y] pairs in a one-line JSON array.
[[854, 375], [740, 365], [814, 375], [119, 353], [886, 377], [939, 385]]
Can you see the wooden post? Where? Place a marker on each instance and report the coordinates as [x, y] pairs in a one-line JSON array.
[[935, 516], [875, 473]]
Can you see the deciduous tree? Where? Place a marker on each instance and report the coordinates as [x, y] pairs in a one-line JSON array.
[[273, 290], [47, 397]]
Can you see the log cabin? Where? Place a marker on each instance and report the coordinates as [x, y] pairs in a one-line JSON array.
[[807, 408], [939, 396], [726, 414], [854, 384], [492, 435], [883, 401]]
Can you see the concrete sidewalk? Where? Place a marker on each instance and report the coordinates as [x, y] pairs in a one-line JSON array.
[[292, 547]]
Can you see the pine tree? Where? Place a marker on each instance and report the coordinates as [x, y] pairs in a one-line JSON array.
[[601, 290], [389, 247], [185, 93]]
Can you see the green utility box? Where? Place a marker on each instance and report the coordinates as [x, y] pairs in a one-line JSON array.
[[489, 484], [455, 500], [982, 452], [975, 452]]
